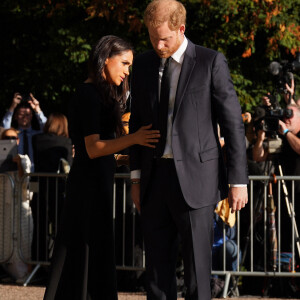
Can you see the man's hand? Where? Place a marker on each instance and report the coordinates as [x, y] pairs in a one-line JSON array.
[[290, 90], [16, 100], [237, 197], [135, 195], [261, 135], [282, 127], [35, 104], [266, 100]]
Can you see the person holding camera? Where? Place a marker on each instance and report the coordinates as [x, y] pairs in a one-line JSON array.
[[28, 118], [289, 159], [270, 103], [289, 129], [288, 95]]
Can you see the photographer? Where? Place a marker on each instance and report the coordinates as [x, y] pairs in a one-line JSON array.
[[270, 103], [289, 159], [288, 95], [26, 116], [289, 129], [259, 151]]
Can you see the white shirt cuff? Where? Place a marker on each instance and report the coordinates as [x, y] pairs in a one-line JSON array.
[[238, 185], [135, 174]]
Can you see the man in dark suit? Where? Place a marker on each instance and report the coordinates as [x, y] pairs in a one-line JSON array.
[[177, 185]]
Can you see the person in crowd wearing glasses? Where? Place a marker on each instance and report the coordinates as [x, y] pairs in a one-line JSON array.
[[16, 267], [10, 134], [26, 116]]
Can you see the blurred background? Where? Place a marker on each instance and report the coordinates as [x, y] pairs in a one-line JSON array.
[[45, 43]]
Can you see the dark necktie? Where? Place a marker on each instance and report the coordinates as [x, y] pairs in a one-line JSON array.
[[25, 142], [163, 108]]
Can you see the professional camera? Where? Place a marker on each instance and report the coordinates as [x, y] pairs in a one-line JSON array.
[[283, 72], [267, 117]]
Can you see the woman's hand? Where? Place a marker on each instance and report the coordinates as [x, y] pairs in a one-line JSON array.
[[145, 137], [96, 147]]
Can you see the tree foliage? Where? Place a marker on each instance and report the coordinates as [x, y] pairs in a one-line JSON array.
[[46, 43]]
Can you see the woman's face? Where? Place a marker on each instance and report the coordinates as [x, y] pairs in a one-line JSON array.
[[117, 67]]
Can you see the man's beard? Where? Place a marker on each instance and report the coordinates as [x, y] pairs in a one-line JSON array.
[[167, 52]]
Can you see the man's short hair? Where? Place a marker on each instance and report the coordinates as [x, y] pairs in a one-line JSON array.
[[295, 106], [160, 11]]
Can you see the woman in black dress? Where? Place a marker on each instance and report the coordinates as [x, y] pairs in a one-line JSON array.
[[83, 265]]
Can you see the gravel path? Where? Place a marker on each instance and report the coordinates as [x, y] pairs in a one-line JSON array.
[[13, 292]]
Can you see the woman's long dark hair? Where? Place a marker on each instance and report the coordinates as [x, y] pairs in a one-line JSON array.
[[113, 96]]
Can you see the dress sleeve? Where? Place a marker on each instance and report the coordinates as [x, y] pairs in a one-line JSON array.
[[90, 115]]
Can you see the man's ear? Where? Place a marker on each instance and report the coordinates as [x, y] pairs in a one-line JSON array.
[[182, 29]]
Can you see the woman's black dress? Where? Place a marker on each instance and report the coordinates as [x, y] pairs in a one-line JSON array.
[[83, 265]]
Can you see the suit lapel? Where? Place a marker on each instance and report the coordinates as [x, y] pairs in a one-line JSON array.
[[188, 65], [153, 87]]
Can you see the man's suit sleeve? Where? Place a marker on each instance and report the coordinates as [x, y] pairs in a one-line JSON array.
[[134, 122], [227, 108]]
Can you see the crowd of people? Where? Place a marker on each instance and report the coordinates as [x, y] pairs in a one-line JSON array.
[[41, 144], [187, 152]]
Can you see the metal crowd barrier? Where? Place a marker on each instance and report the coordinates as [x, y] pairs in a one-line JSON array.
[[46, 192], [7, 236], [48, 188], [285, 200], [245, 244]]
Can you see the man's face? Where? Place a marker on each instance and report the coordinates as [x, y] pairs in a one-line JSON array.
[[293, 123], [24, 117], [164, 40]]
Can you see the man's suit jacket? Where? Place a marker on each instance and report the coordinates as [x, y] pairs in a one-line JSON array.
[[205, 97]]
